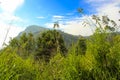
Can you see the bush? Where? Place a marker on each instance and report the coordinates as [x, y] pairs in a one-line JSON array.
[[13, 67]]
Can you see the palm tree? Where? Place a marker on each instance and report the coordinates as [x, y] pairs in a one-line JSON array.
[[80, 10], [119, 12], [56, 25], [87, 21]]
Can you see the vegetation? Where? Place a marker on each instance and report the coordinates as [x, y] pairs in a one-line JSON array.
[[47, 58], [38, 30], [50, 43]]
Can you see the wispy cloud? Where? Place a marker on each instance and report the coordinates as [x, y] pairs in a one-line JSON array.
[[107, 7], [7, 17], [95, 1], [69, 14], [111, 10], [102, 1], [74, 25], [58, 16], [8, 8], [10, 5], [40, 17], [14, 31]]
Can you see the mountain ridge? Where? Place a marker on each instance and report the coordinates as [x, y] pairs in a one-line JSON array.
[[38, 30]]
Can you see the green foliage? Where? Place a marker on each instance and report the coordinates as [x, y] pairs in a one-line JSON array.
[[38, 30], [50, 43], [103, 48], [13, 67], [94, 58], [23, 45], [81, 46]]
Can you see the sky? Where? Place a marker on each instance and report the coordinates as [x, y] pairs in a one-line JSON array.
[[16, 15]]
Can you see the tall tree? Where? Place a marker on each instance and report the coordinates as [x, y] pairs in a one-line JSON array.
[[81, 46], [24, 45], [47, 45]]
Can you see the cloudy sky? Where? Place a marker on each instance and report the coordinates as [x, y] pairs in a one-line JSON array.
[[16, 15]]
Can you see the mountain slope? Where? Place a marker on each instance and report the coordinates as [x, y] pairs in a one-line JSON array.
[[33, 29], [37, 30]]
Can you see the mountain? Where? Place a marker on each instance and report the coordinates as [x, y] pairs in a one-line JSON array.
[[37, 30], [68, 38], [33, 29]]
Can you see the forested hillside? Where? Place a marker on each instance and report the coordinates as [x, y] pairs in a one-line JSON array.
[[37, 31]]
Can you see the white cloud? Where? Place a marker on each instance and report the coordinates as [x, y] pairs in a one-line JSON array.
[[74, 27], [7, 16], [106, 7], [49, 25], [40, 17], [102, 1], [10, 6], [13, 32], [102, 7], [58, 16], [111, 10], [95, 1], [8, 9]]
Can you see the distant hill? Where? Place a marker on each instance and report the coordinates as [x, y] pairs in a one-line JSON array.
[[37, 30], [33, 29]]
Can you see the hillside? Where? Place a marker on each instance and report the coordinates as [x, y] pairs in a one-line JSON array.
[[37, 30], [33, 29]]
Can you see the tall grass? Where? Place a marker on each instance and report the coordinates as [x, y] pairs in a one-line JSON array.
[[101, 61], [13, 67]]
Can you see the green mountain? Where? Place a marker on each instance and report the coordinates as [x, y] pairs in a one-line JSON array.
[[37, 30], [33, 29]]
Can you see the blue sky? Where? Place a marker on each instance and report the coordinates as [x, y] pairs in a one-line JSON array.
[[42, 11], [18, 14]]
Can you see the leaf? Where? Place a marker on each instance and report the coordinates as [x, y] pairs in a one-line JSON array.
[[56, 25], [80, 10], [113, 23]]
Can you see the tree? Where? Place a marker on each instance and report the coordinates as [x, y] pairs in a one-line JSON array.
[[81, 46], [24, 45], [56, 25], [47, 45]]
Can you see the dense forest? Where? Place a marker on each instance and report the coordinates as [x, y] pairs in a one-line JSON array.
[[46, 56]]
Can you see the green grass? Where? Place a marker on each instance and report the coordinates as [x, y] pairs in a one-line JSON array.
[[101, 61]]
